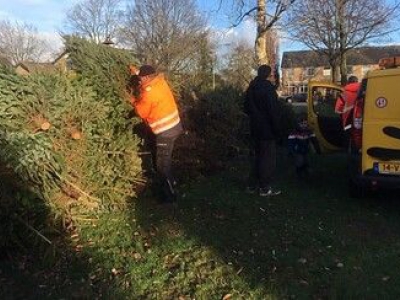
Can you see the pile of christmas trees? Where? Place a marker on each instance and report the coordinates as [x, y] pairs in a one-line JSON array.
[[67, 137]]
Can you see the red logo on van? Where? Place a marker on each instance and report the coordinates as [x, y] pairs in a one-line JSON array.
[[381, 102]]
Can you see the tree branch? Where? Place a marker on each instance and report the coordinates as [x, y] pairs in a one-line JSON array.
[[241, 18]]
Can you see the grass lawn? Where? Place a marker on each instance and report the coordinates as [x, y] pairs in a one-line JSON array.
[[312, 242]]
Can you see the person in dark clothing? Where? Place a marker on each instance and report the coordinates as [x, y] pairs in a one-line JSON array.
[[261, 105], [299, 145]]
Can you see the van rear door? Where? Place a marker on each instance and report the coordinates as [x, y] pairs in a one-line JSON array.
[[381, 123], [322, 118]]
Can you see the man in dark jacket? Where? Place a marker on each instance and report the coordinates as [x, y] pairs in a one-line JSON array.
[[261, 105]]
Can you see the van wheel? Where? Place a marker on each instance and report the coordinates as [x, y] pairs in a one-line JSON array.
[[356, 190]]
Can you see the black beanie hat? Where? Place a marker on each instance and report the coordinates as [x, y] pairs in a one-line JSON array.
[[146, 70], [352, 79]]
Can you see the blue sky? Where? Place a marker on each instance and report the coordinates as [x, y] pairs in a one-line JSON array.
[[48, 15]]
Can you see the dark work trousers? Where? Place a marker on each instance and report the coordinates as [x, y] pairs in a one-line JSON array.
[[163, 161], [263, 163], [301, 163]]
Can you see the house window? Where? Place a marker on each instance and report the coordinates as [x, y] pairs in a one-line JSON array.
[[296, 88], [303, 88], [290, 89], [310, 72], [327, 71]]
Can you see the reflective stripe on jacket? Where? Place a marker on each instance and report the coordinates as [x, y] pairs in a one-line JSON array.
[[156, 105]]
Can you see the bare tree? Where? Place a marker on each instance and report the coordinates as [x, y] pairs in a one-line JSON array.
[[203, 69], [165, 33], [266, 13], [333, 27], [240, 64], [95, 19], [21, 42]]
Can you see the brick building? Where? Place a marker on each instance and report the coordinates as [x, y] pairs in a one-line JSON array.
[[298, 67]]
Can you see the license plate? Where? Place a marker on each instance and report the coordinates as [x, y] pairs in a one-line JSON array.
[[389, 168]]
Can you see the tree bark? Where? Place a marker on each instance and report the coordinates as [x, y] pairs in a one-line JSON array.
[[342, 41], [333, 71], [343, 69], [261, 50], [261, 39]]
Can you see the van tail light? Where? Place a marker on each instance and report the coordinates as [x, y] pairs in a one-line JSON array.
[[356, 133]]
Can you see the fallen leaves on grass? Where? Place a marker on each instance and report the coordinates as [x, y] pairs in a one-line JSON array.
[[114, 271], [340, 265], [302, 260], [219, 216], [137, 256], [303, 282]]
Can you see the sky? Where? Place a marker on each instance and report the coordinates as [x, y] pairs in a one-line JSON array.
[[48, 16], [44, 14]]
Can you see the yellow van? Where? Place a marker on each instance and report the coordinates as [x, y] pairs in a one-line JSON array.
[[375, 139], [374, 143]]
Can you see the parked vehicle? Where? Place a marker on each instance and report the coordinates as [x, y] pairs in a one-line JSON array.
[[297, 98], [375, 137], [374, 143]]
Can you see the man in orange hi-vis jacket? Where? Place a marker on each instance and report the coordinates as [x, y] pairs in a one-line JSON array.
[[156, 106]]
